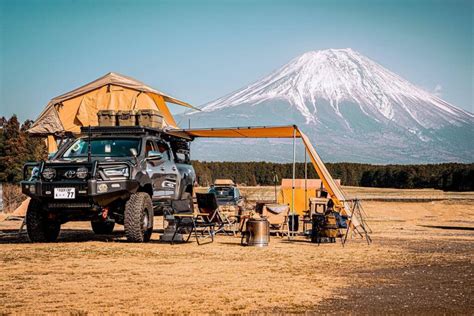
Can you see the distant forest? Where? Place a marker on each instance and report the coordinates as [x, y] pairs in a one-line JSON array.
[[17, 147], [445, 176]]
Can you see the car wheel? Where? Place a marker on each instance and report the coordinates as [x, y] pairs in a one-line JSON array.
[[103, 228], [138, 217], [38, 226]]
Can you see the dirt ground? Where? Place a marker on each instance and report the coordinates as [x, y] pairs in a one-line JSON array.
[[420, 261]]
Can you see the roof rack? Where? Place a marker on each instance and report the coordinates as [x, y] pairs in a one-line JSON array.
[[121, 130]]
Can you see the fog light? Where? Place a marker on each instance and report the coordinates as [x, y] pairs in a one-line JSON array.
[[101, 188], [82, 172], [49, 173]]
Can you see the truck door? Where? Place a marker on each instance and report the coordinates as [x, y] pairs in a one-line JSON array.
[[162, 171]]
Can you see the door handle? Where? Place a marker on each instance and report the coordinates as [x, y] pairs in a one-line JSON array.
[[174, 168], [162, 168]]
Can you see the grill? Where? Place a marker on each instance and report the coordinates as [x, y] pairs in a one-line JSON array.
[[68, 172]]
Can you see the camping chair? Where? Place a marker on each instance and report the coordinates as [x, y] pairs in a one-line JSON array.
[[188, 222], [276, 215], [316, 206], [207, 204]]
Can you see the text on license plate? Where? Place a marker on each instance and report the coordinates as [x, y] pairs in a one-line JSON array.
[[64, 193]]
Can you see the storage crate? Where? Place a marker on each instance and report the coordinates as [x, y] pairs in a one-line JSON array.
[[107, 118], [150, 118], [126, 118]]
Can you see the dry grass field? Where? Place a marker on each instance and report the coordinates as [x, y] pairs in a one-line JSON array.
[[420, 261]]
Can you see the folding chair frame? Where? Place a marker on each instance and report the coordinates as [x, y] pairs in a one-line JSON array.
[[215, 213], [195, 224]]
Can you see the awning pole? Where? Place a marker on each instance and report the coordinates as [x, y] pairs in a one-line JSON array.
[[293, 186], [305, 181]]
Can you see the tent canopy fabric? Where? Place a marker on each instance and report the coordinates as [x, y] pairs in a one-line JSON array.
[[70, 111], [241, 132], [290, 131]]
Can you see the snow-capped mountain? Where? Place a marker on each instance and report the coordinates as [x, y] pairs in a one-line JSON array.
[[353, 108]]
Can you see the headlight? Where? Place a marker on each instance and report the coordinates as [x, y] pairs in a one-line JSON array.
[[121, 171], [34, 173], [82, 172], [49, 173]]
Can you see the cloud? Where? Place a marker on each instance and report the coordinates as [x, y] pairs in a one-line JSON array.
[[438, 90]]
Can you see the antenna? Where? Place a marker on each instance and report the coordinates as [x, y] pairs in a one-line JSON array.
[[89, 151]]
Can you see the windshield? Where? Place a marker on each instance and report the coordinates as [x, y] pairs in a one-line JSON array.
[[102, 147]]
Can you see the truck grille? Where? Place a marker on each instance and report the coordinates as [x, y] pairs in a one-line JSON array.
[[68, 172]]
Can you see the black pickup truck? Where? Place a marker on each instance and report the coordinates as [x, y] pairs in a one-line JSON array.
[[108, 175]]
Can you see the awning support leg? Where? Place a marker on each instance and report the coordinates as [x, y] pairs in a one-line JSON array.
[[293, 187], [305, 181]]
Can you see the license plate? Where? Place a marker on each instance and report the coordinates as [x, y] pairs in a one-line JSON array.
[[64, 193]]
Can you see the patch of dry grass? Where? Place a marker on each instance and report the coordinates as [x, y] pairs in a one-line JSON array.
[[84, 273]]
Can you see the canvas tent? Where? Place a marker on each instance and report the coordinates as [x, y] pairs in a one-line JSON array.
[[304, 189], [67, 113]]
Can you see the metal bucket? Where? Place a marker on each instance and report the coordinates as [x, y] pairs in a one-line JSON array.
[[257, 233]]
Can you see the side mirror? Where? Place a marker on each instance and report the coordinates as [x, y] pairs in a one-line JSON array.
[[152, 155], [51, 155], [133, 151]]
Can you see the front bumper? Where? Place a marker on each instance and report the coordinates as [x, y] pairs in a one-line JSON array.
[[91, 190]]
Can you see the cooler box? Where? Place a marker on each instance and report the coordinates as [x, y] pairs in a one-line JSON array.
[[150, 118], [107, 118], [126, 118]]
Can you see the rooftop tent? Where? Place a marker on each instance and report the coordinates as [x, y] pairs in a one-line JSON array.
[[70, 111]]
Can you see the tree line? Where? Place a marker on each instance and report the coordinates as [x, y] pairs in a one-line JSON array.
[[18, 147], [444, 176]]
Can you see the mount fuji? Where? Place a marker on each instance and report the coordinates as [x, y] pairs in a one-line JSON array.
[[352, 108]]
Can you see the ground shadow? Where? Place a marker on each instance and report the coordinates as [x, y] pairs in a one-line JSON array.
[[448, 227], [12, 236]]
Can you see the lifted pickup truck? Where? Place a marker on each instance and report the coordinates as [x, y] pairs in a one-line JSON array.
[[108, 175]]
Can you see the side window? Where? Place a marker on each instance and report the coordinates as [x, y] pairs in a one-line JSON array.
[[164, 149], [180, 150], [150, 146]]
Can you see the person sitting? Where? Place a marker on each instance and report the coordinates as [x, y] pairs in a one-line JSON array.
[[330, 207], [212, 189]]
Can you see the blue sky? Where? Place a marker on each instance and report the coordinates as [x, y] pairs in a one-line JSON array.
[[201, 50]]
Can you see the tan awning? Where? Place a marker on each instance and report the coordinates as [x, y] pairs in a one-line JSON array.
[[291, 131], [241, 132]]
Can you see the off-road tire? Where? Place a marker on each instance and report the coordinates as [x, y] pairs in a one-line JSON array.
[[103, 228], [38, 226], [138, 207]]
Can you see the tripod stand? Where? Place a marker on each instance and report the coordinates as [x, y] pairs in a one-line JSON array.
[[361, 227]]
